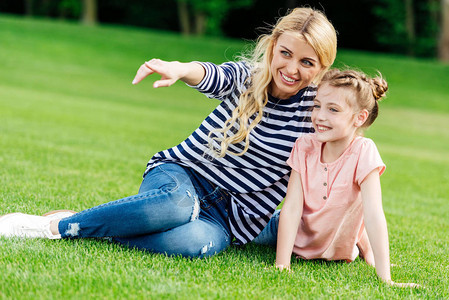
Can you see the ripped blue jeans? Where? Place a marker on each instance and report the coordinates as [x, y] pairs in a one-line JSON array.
[[176, 212]]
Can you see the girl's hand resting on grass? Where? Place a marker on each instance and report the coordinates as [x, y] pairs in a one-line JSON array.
[[283, 267], [404, 285]]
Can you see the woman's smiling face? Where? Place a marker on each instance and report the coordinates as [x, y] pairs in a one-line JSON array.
[[293, 67]]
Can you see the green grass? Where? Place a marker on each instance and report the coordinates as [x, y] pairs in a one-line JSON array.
[[75, 133]]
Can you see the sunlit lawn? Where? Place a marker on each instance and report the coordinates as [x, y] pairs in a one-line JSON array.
[[75, 133]]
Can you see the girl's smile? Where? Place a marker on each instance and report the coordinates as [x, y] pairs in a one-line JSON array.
[[294, 65], [321, 128]]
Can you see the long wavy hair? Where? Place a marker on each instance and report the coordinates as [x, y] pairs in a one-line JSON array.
[[307, 23]]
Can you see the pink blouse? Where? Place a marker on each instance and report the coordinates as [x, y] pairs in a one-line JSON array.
[[332, 226]]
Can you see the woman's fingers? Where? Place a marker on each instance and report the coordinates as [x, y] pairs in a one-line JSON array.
[[143, 72], [163, 68], [163, 83]]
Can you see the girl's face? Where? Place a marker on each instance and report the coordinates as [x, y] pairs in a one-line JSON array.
[[333, 118], [293, 67]]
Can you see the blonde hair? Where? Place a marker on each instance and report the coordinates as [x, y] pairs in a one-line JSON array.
[[309, 24], [364, 91]]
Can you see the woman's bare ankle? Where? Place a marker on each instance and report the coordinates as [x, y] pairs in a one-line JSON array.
[[54, 226]]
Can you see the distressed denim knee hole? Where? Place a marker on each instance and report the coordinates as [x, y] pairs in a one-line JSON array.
[[206, 248], [73, 230], [196, 209]]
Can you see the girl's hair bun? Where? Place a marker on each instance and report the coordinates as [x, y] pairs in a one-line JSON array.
[[379, 87]]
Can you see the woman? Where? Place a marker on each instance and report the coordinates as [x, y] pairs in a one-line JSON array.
[[223, 183]]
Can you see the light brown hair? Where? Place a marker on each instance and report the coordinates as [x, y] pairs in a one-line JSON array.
[[365, 92]]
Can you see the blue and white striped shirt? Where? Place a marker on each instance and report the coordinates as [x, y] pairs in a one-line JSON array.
[[257, 180]]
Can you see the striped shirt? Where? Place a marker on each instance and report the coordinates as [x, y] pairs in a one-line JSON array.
[[257, 180]]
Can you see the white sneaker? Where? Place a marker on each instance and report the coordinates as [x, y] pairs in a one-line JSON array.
[[26, 226]]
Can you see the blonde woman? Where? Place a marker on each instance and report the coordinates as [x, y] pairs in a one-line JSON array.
[[223, 183]]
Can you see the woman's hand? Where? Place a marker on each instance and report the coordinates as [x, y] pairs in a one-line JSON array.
[[190, 73], [168, 71]]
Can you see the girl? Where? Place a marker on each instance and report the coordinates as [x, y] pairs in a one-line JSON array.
[[224, 182], [334, 190]]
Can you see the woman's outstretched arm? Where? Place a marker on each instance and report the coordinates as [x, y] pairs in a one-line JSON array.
[[191, 73]]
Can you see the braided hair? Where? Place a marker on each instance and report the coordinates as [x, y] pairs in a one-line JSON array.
[[366, 91]]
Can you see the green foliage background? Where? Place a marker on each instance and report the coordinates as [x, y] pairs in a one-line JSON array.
[[374, 25]]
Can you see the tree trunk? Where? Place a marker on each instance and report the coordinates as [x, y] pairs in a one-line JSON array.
[[443, 49], [410, 26], [45, 7], [200, 23], [89, 16], [28, 8], [184, 18]]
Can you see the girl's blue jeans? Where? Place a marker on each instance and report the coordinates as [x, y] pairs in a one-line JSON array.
[[176, 212], [269, 234]]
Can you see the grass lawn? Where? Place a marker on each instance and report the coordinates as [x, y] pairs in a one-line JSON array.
[[75, 133]]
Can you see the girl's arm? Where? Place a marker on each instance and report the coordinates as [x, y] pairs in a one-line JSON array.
[[289, 221], [191, 73], [376, 227]]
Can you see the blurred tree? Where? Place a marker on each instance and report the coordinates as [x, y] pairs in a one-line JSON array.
[[69, 9], [199, 17], [391, 28], [49, 8], [410, 26], [443, 49], [434, 10], [355, 22], [184, 17], [29, 8], [407, 26], [160, 15], [89, 15], [417, 27]]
